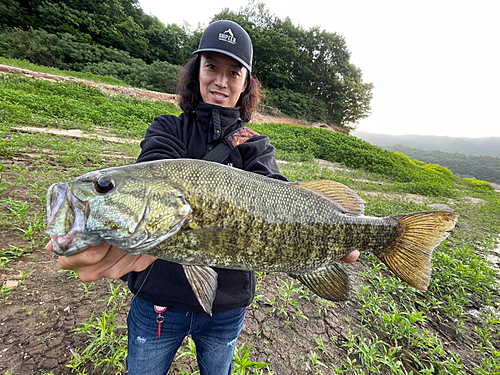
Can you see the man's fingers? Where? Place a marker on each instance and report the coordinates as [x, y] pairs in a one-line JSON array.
[[127, 264], [351, 257], [97, 261], [114, 265], [87, 257], [101, 261]]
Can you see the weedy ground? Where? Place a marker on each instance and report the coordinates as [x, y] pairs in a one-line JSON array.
[[52, 323]]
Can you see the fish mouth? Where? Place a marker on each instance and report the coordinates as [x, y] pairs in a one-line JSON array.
[[66, 216]]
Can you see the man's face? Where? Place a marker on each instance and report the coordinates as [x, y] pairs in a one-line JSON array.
[[222, 79]]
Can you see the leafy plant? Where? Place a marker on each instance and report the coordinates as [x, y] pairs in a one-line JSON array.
[[242, 362], [106, 343], [4, 293], [288, 295]]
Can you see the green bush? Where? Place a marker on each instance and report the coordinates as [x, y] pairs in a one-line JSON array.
[[479, 185], [159, 76], [296, 105], [409, 176], [64, 51]]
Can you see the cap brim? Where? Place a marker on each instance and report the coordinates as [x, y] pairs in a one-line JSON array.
[[224, 52]]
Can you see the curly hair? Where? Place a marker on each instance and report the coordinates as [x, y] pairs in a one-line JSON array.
[[188, 89]]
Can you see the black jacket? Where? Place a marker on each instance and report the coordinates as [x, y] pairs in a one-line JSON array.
[[171, 137]]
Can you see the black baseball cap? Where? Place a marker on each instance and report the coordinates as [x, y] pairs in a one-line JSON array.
[[228, 38]]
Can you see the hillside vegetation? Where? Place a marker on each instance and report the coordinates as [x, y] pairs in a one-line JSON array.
[[483, 167], [116, 38], [54, 324]]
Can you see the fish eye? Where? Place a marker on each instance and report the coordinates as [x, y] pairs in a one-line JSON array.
[[104, 185]]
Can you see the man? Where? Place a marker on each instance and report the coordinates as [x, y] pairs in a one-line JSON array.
[[218, 94]]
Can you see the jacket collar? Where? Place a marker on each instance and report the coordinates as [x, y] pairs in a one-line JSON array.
[[217, 118]]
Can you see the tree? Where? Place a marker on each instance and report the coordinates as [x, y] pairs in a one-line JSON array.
[[313, 62], [274, 56], [12, 14], [167, 42]]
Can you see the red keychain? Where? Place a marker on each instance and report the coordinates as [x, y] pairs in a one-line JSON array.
[[160, 318]]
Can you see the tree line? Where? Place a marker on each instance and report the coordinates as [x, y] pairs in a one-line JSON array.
[[486, 168], [468, 146], [306, 73]]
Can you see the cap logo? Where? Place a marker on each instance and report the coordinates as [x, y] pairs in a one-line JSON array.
[[227, 36]]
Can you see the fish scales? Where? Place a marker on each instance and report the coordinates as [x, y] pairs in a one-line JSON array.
[[202, 215]]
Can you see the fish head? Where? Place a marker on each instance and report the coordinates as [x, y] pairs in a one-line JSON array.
[[133, 213]]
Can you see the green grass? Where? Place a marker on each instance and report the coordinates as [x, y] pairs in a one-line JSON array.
[[106, 343], [397, 331], [27, 102]]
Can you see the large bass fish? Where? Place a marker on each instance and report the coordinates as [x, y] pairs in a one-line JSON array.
[[202, 214]]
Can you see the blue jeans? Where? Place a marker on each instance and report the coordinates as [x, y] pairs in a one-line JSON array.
[[215, 338]]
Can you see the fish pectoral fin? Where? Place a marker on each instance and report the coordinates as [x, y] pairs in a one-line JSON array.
[[330, 282], [337, 192], [203, 280]]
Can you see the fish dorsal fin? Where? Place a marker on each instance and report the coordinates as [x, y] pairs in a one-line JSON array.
[[337, 192], [330, 282], [203, 280]]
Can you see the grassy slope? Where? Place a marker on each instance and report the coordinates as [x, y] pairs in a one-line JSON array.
[[24, 64], [391, 333]]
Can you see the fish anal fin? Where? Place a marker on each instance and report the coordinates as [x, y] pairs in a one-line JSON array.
[[409, 254], [203, 281], [337, 192], [330, 282]]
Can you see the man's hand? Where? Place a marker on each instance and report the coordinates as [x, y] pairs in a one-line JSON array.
[[102, 261], [351, 257]]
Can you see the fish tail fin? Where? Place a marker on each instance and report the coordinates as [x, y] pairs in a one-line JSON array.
[[409, 254]]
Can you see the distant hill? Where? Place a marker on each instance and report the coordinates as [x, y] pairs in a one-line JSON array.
[[468, 146], [486, 168]]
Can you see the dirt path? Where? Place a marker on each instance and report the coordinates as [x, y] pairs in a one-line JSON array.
[[108, 89]]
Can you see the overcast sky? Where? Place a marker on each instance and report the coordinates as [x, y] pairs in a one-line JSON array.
[[435, 64]]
